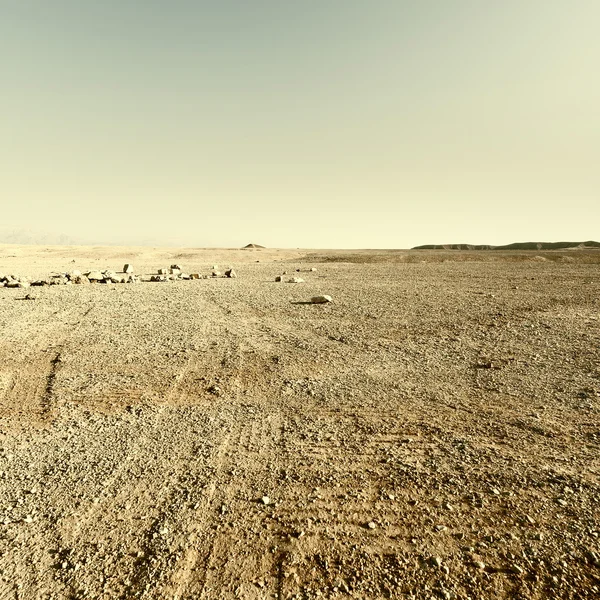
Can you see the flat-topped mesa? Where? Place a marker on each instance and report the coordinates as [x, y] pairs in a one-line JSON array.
[[515, 246]]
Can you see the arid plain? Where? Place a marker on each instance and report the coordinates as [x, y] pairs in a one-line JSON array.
[[434, 432]]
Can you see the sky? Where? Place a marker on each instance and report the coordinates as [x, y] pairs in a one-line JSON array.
[[300, 123]]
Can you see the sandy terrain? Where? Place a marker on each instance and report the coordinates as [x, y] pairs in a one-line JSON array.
[[432, 433]]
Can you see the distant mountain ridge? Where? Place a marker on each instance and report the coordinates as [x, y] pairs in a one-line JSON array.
[[35, 238], [515, 246]]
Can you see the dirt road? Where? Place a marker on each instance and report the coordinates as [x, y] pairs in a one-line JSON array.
[[432, 433]]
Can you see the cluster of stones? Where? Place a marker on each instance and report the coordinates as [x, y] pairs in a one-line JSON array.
[[14, 281], [73, 277], [176, 273], [281, 278]]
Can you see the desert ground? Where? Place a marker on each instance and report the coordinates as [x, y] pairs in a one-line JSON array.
[[434, 432]]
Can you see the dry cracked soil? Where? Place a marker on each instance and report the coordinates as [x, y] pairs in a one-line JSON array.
[[434, 432]]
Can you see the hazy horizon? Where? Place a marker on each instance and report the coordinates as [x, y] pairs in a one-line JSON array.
[[41, 238], [337, 124]]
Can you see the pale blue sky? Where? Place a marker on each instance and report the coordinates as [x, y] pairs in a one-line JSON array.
[[316, 123]]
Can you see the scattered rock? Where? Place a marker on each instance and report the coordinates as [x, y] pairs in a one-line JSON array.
[[230, 273], [127, 268], [321, 299], [295, 280], [516, 569], [266, 500]]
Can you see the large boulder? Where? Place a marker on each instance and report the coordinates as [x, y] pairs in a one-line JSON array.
[[80, 279], [59, 280], [127, 268], [95, 276]]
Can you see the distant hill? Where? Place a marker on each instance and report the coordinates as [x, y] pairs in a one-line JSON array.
[[32, 237], [252, 246], [516, 246]]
